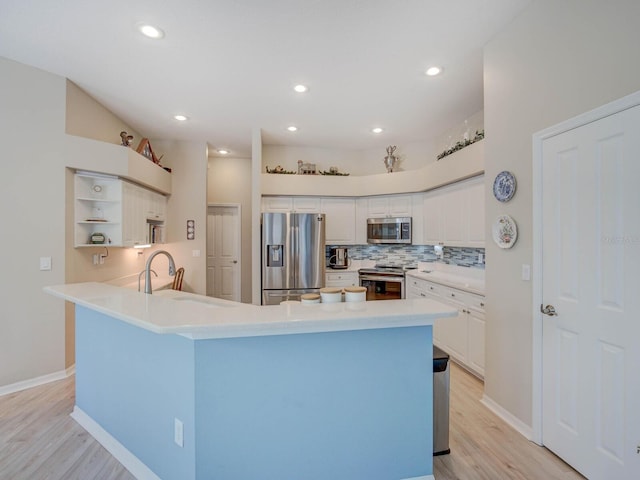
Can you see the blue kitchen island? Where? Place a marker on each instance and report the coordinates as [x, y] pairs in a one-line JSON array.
[[181, 386]]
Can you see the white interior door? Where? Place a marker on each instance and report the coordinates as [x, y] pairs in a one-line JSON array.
[[223, 252], [591, 263]]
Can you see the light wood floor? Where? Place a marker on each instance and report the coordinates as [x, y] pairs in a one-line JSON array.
[[39, 440]]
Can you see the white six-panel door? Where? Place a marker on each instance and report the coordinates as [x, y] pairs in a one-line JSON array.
[[223, 252], [591, 276]]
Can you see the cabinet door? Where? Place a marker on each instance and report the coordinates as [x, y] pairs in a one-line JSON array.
[[476, 321], [340, 217], [134, 216], [346, 279], [452, 208], [474, 213], [277, 204], [432, 218], [362, 213], [306, 204], [378, 207], [400, 205], [417, 219], [454, 334]]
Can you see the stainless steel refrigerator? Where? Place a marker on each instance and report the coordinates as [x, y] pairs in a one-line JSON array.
[[293, 255]]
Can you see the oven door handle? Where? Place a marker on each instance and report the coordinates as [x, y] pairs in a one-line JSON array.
[[382, 278]]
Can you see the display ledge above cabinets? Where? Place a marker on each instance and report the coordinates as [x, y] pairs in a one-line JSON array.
[[465, 163], [90, 155]]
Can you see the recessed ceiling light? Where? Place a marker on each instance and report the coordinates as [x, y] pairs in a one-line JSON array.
[[377, 130], [150, 31], [301, 88], [180, 118], [223, 151], [433, 71], [292, 128]]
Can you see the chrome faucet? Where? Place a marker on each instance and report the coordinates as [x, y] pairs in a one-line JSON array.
[[147, 269], [140, 276]]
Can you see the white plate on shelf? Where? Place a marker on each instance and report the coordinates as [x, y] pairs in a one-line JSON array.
[[505, 231]]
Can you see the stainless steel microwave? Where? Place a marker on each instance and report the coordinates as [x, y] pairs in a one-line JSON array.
[[389, 230]]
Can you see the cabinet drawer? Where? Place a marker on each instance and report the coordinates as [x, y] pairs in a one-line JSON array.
[[341, 279], [476, 303]]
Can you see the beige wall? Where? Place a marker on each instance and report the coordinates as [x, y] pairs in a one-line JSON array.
[[555, 61], [32, 188], [103, 124], [230, 182], [188, 161]]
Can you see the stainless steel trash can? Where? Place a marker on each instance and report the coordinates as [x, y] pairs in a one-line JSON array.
[[440, 402]]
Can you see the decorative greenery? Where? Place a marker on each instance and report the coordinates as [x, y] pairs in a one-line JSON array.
[[460, 145], [280, 170]]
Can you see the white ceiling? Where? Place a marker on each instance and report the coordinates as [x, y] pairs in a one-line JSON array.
[[230, 65]]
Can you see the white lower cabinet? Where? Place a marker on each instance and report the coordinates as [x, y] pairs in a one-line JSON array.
[[341, 279], [462, 337]]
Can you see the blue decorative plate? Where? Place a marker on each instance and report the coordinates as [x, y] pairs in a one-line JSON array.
[[504, 186]]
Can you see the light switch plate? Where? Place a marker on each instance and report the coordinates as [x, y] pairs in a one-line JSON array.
[[526, 272], [45, 263]]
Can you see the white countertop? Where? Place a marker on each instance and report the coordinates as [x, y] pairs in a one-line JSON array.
[[463, 278], [200, 317]]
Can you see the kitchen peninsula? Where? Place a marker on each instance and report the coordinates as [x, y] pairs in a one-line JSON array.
[[181, 386]]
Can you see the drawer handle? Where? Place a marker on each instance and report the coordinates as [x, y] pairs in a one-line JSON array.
[[482, 304], [453, 294], [430, 288]]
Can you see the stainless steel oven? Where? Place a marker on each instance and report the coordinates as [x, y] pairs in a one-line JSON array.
[[383, 282]]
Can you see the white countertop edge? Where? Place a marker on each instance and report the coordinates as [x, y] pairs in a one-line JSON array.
[[161, 314]]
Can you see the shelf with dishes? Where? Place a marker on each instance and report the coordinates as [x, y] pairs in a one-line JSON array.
[[110, 211]]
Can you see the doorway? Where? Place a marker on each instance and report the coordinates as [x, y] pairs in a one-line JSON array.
[[587, 250], [223, 251]]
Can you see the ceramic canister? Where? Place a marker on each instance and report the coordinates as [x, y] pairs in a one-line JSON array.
[[355, 294], [331, 295], [308, 298]]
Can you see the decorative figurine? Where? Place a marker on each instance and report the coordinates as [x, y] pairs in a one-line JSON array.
[[390, 160], [127, 140]]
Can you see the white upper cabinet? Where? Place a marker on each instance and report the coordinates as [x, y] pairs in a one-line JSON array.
[[389, 206], [454, 215], [123, 214], [340, 218], [291, 204]]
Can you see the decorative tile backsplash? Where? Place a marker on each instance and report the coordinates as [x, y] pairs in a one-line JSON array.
[[408, 254]]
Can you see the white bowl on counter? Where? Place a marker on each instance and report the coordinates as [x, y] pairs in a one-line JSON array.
[[355, 294], [331, 294]]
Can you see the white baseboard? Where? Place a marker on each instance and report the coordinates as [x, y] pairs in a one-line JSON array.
[[113, 446], [34, 382], [518, 425]]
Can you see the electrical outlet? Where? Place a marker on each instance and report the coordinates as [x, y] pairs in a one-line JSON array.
[[196, 253], [178, 432], [526, 272], [96, 259], [481, 258]]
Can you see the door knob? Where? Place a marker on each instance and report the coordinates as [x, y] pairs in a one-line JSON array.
[[549, 310], [235, 261]]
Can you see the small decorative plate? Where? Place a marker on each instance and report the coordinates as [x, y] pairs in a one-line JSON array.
[[505, 231], [504, 186]]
